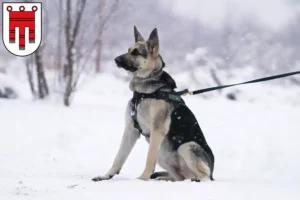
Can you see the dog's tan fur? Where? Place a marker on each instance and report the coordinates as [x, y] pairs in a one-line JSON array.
[[158, 132]]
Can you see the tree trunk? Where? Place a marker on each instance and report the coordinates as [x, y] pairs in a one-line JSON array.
[[59, 38], [99, 35], [98, 56], [68, 68], [69, 71], [71, 35], [43, 90], [29, 62], [69, 86]]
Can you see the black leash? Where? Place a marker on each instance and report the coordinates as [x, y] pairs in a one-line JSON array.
[[187, 92]]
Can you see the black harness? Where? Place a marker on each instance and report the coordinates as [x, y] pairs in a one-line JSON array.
[[171, 97]]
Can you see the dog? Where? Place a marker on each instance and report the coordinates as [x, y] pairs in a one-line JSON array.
[[175, 139]]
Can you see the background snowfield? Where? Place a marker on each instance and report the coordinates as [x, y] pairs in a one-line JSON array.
[[256, 145]]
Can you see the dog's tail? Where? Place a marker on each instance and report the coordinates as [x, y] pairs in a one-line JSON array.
[[211, 162]]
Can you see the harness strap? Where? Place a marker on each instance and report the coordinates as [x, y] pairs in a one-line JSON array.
[[171, 97], [133, 105]]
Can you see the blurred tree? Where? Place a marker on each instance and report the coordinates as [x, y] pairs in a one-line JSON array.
[[72, 29], [101, 25], [37, 58], [29, 70]]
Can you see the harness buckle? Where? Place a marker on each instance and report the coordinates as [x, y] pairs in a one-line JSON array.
[[174, 97]]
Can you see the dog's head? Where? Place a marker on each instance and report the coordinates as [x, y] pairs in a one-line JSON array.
[[143, 57]]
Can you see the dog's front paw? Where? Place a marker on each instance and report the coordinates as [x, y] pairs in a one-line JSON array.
[[101, 178], [144, 177]]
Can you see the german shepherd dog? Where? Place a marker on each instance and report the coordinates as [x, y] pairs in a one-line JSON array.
[[175, 139]]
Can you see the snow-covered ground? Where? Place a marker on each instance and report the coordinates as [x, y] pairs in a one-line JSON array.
[[48, 151]]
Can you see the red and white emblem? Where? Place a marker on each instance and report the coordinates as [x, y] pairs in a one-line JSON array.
[[22, 27]]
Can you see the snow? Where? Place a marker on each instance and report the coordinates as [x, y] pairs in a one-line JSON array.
[[18, 86], [48, 151], [274, 14]]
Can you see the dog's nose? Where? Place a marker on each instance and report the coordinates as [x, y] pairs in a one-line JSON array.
[[118, 60]]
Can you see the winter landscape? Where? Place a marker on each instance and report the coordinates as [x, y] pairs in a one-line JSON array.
[[57, 132]]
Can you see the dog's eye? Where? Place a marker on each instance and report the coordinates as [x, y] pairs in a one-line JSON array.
[[135, 52]]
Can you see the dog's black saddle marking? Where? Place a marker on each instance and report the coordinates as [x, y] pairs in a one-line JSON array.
[[170, 97]]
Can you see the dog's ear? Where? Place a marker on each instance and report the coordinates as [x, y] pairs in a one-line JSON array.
[[153, 42], [137, 36]]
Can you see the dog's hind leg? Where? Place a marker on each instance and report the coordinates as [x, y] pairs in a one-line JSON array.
[[166, 176], [195, 159], [159, 174], [129, 139]]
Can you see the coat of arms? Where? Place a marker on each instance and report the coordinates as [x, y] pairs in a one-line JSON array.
[[22, 27]]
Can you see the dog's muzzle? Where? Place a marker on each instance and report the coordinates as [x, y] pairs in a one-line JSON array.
[[120, 61]]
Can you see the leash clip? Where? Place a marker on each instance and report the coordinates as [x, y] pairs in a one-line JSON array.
[[188, 93], [184, 92]]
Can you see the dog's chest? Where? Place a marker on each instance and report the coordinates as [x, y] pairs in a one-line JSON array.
[[153, 114], [144, 117]]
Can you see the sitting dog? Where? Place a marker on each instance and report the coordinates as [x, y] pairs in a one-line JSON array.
[[175, 139]]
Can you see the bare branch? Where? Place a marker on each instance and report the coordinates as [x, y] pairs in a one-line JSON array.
[[68, 23], [79, 13], [111, 12], [70, 40]]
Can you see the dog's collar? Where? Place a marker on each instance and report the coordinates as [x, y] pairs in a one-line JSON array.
[[151, 85], [153, 75], [156, 73]]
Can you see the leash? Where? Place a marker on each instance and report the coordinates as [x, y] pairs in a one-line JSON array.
[[201, 91], [175, 98]]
